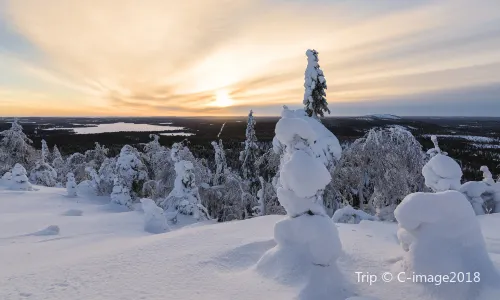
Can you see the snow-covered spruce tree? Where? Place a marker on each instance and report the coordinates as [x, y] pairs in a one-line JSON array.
[[43, 173], [441, 172], [377, 171], [221, 168], [131, 171], [102, 181], [121, 194], [19, 180], [16, 148], [154, 217], [249, 155], [58, 164], [160, 168], [95, 157], [185, 198], [484, 195], [71, 185], [268, 167], [315, 86], [307, 241], [75, 164], [46, 155], [442, 235]]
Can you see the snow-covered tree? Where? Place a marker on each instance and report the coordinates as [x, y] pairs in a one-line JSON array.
[[441, 172], [185, 197], [43, 174], [249, 155], [121, 194], [46, 155], [19, 180], [315, 86], [487, 176], [221, 168], [441, 235], [15, 148], [75, 164], [308, 244], [71, 185], [377, 171], [58, 164], [154, 217], [7, 177], [95, 157], [130, 170]]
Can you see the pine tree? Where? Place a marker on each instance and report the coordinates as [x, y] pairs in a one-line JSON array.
[[45, 152], [71, 185], [220, 163], [249, 155], [16, 148], [315, 86]]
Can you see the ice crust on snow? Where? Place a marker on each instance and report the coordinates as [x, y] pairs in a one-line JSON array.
[[444, 237]]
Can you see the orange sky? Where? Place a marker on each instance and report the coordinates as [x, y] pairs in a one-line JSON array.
[[158, 57]]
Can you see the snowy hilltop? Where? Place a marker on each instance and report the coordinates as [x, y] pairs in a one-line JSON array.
[[299, 218]]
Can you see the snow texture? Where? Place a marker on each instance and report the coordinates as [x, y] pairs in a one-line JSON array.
[[350, 215], [50, 230], [121, 194], [19, 179], [73, 213], [446, 237], [154, 217]]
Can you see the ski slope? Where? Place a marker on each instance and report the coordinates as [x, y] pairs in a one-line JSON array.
[[102, 252]]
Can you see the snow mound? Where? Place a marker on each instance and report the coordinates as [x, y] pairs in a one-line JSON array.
[[350, 215], [362, 298], [442, 173], [473, 190], [7, 176], [154, 217], [51, 230], [445, 237], [73, 213]]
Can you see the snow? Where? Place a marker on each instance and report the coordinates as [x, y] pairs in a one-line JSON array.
[[350, 215], [385, 116], [118, 127], [446, 237], [442, 173], [50, 230], [19, 179], [473, 138], [486, 146], [105, 254], [154, 217], [177, 134]]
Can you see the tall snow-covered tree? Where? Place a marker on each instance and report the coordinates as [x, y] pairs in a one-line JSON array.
[[185, 197], [221, 167], [45, 152], [377, 171], [15, 147], [95, 157], [249, 155], [121, 194], [71, 185], [315, 86], [131, 171], [75, 164], [58, 164]]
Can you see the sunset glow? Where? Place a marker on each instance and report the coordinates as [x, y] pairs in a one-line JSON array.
[[170, 58]]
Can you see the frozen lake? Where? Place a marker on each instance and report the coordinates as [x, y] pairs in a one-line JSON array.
[[122, 126]]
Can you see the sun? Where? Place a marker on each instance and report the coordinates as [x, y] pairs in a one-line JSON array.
[[222, 99]]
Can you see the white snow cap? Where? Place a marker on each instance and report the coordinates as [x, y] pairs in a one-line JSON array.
[[350, 215], [487, 176], [441, 172], [309, 148], [445, 237], [19, 179]]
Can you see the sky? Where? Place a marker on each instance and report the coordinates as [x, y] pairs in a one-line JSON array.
[[225, 57]]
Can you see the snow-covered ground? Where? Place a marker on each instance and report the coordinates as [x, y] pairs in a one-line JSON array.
[[473, 138], [101, 251]]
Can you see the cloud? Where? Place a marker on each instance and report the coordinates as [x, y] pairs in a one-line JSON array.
[[155, 57]]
